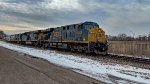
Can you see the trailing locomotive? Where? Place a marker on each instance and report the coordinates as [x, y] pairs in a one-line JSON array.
[[82, 37]]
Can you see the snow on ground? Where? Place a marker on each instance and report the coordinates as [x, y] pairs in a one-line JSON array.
[[91, 68]]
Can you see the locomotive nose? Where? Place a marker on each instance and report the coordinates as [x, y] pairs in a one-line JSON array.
[[97, 35]]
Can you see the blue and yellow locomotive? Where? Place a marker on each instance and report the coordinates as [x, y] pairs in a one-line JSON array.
[[82, 37]]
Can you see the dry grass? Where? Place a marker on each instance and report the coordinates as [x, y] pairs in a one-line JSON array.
[[137, 48]]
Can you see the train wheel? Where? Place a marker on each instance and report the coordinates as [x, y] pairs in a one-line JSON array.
[[105, 53], [79, 48], [72, 49], [96, 51], [68, 47]]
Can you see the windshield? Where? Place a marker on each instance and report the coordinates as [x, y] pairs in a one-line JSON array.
[[88, 26]]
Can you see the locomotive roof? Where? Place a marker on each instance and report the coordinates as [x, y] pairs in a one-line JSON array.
[[87, 22], [48, 29]]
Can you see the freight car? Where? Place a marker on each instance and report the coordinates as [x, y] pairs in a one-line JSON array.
[[82, 37]]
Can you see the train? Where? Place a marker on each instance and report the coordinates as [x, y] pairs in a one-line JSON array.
[[85, 37]]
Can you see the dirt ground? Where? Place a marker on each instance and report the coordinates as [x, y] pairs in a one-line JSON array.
[[16, 68]]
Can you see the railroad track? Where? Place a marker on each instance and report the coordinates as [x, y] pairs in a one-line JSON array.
[[119, 57], [130, 58]]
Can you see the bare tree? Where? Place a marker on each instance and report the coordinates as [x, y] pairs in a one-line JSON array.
[[149, 36], [122, 37], [2, 34]]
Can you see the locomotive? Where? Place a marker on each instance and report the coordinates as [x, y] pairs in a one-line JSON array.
[[83, 37]]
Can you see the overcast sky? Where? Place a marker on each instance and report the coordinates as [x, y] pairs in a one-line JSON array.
[[114, 16]]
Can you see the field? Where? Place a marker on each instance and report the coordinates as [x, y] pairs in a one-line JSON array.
[[93, 71], [137, 48]]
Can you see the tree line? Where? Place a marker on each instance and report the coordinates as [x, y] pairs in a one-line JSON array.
[[125, 37], [2, 34]]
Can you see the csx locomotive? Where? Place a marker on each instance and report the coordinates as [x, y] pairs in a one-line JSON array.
[[82, 37]]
